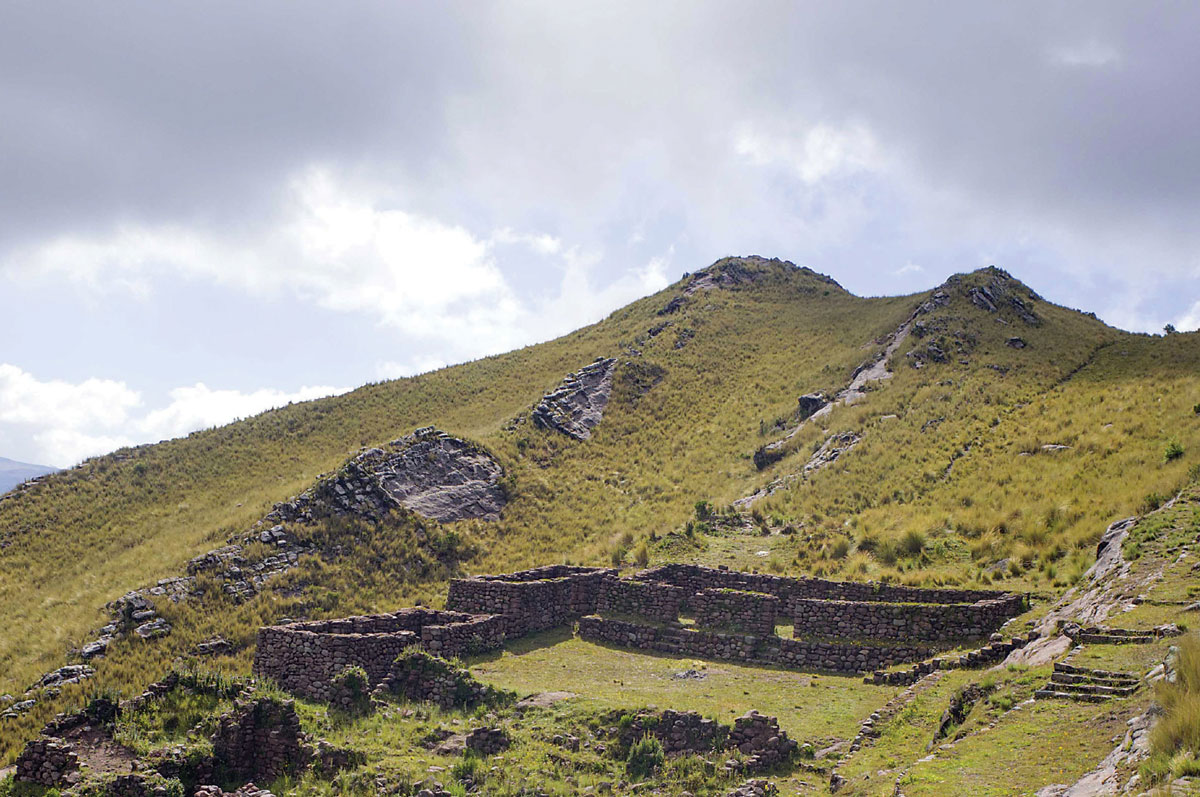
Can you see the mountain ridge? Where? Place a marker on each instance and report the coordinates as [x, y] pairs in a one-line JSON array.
[[974, 461]]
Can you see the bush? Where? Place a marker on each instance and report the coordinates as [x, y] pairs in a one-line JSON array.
[[645, 756], [1196, 410], [1151, 502], [841, 549], [355, 687], [1172, 452], [912, 543], [704, 510]]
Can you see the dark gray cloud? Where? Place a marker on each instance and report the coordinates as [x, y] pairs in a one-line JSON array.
[[462, 177]]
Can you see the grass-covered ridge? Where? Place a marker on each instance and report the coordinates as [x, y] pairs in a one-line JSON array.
[[959, 477]]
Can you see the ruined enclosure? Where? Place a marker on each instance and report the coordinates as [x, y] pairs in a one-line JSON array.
[[684, 610]]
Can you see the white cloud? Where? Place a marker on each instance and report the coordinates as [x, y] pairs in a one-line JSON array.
[[1190, 320], [815, 154], [908, 268], [62, 423], [341, 246], [392, 369], [1091, 53]]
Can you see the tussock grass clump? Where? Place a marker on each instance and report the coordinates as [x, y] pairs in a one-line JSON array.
[[645, 757], [1175, 740]]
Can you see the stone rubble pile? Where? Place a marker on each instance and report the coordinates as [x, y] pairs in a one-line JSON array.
[[760, 738], [488, 741]]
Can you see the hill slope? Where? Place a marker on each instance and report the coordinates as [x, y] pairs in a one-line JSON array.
[[13, 473], [975, 434]]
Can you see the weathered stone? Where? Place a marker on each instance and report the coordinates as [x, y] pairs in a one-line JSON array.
[[577, 405]]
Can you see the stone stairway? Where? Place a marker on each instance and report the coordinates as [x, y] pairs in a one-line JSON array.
[[1097, 635], [1082, 683]]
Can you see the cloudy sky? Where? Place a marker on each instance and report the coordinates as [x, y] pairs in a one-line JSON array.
[[209, 209]]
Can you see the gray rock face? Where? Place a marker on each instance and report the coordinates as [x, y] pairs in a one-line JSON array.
[[831, 449], [577, 405], [428, 472]]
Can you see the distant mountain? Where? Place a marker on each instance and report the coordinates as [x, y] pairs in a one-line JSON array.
[[13, 473]]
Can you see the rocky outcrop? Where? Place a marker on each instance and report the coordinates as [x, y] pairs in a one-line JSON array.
[[831, 449], [429, 472], [576, 406]]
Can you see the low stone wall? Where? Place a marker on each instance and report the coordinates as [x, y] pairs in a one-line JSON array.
[[304, 657], [748, 648], [532, 600], [749, 612], [678, 731], [659, 602], [941, 622], [48, 762], [695, 578], [759, 737]]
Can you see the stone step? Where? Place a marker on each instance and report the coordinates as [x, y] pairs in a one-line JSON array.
[[1092, 689], [1105, 680], [1115, 639], [1068, 668], [1046, 694]]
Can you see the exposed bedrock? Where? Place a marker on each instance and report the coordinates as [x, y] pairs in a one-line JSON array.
[[576, 406], [428, 472]]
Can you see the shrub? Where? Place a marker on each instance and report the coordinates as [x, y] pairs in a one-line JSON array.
[[887, 552], [1173, 451], [641, 555], [645, 756], [704, 510], [841, 549], [912, 543], [1196, 410], [1151, 502], [355, 687]]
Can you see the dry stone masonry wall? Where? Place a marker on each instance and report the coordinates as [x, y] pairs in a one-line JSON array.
[[838, 626], [751, 612], [657, 602], [938, 622], [304, 658]]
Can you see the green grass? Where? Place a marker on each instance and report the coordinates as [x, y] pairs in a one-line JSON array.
[[818, 708], [955, 489]]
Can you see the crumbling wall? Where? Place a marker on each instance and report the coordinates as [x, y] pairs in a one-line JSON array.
[[304, 657]]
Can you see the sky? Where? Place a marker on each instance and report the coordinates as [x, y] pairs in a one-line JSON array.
[[209, 209]]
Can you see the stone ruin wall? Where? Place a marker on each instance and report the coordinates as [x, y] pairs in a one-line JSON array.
[[531, 600], [939, 622], [305, 657], [696, 578], [749, 648], [657, 602], [485, 611], [751, 612]]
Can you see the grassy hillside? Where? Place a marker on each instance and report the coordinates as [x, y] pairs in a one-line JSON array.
[[951, 482]]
